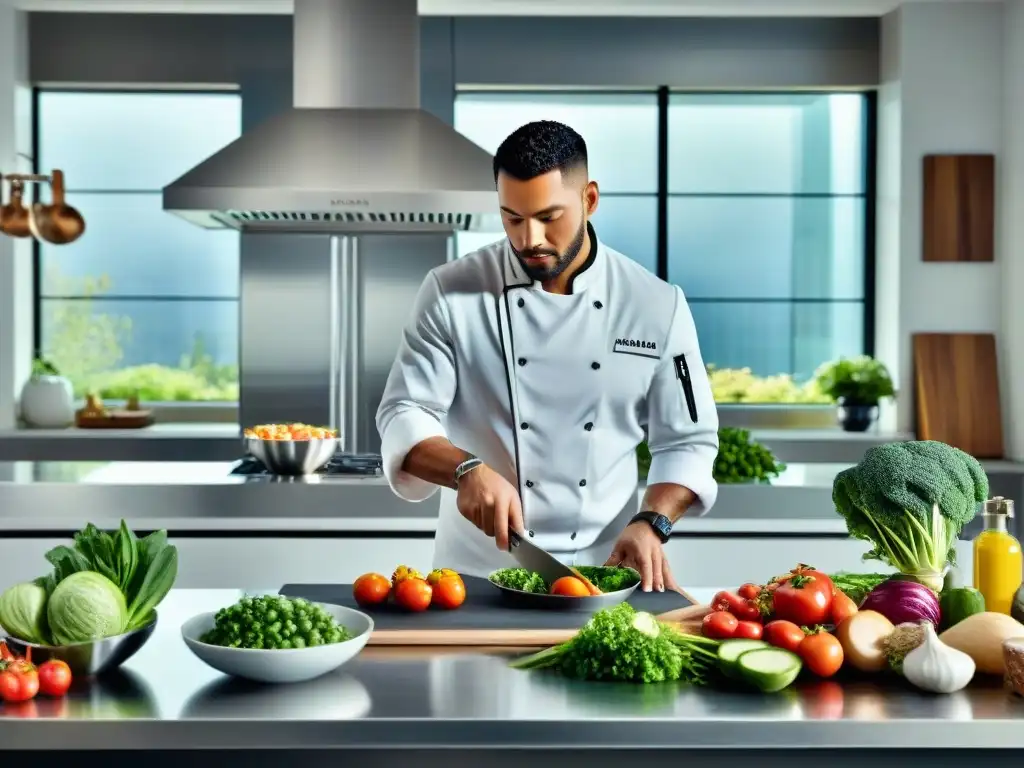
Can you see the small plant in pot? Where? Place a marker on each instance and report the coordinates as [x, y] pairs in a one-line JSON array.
[[857, 385], [47, 399]]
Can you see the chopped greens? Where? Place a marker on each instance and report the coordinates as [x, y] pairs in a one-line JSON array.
[[274, 622], [625, 645], [605, 578], [857, 585]]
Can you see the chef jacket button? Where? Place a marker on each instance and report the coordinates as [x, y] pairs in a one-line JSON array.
[[582, 483], [588, 426], [521, 303], [524, 425], [529, 483], [521, 361], [595, 366], [598, 304], [531, 534], [573, 535]]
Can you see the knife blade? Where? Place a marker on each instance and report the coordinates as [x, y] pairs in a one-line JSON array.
[[535, 559]]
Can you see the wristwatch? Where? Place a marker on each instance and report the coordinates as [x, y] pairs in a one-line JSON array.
[[466, 467], [661, 524]]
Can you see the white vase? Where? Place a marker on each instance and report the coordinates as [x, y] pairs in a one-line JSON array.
[[48, 402]]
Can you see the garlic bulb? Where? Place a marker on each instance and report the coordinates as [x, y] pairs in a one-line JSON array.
[[934, 666]]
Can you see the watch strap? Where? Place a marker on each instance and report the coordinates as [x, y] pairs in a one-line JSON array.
[[661, 524], [466, 467]]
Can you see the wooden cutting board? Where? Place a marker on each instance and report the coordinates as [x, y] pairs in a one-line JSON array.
[[956, 380], [485, 620]]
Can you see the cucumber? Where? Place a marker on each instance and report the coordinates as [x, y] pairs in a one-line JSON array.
[[730, 650], [768, 669]]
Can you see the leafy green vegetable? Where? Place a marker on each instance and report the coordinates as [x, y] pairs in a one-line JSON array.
[[740, 459], [626, 645], [144, 570], [605, 578], [857, 585], [910, 500], [274, 622], [23, 612], [86, 606]]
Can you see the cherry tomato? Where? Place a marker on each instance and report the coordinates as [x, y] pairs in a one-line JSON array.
[[783, 634], [749, 591], [742, 608], [804, 597], [449, 592], [719, 625], [822, 654], [842, 607], [17, 687], [414, 594], [371, 589], [749, 630], [54, 678]]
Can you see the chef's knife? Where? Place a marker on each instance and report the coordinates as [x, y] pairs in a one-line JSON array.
[[546, 565]]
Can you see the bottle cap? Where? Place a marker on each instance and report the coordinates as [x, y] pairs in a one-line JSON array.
[[997, 505]]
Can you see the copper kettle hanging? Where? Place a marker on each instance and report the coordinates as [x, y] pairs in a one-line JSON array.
[[14, 215], [58, 222]]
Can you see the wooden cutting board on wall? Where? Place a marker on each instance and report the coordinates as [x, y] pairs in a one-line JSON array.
[[956, 381], [958, 208]]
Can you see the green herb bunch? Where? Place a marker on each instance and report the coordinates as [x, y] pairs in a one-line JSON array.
[[625, 645], [741, 459], [274, 622]]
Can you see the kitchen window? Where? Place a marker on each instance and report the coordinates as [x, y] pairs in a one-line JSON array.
[[143, 302], [757, 204]]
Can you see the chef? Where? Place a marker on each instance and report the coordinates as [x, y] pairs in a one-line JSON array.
[[529, 373]]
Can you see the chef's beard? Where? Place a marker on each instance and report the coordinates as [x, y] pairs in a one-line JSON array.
[[562, 260]]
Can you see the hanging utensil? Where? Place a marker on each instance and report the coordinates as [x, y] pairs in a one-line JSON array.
[[58, 222], [14, 214]]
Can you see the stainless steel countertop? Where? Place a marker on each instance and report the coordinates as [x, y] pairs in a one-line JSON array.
[[166, 698], [188, 497]]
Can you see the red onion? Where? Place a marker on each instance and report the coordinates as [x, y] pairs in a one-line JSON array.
[[903, 601]]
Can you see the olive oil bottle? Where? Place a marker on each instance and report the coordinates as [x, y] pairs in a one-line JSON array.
[[998, 562]]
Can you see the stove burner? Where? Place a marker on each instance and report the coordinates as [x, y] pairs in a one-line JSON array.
[[340, 464]]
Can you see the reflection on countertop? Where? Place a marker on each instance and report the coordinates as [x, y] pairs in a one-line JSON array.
[[165, 698]]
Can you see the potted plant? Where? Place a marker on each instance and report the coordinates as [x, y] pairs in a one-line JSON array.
[[857, 385], [741, 459], [47, 399]]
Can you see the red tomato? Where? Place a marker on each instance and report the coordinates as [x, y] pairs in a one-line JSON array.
[[449, 592], [804, 597], [749, 591], [18, 686], [749, 630], [371, 589], [740, 607], [413, 594], [822, 654], [842, 607], [54, 678], [719, 625], [784, 634]]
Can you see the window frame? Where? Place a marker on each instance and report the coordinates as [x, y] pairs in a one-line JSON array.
[[166, 412], [749, 415]]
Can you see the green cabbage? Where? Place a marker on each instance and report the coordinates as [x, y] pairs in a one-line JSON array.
[[86, 606], [23, 612]]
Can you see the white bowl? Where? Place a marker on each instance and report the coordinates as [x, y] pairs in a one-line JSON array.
[[290, 665]]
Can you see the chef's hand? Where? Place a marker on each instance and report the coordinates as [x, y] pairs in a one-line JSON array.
[[640, 548], [491, 503]]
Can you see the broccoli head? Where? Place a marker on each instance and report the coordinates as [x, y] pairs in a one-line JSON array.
[[911, 500]]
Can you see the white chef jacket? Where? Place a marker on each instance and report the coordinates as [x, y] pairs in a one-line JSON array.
[[554, 392]]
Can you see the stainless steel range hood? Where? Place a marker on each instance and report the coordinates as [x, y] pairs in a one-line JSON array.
[[356, 153]]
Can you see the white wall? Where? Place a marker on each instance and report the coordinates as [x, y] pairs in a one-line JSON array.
[[1011, 226], [15, 255], [941, 91]]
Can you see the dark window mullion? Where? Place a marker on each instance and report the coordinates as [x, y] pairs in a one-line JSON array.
[[661, 254]]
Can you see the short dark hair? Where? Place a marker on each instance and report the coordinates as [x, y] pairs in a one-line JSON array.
[[538, 148]]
